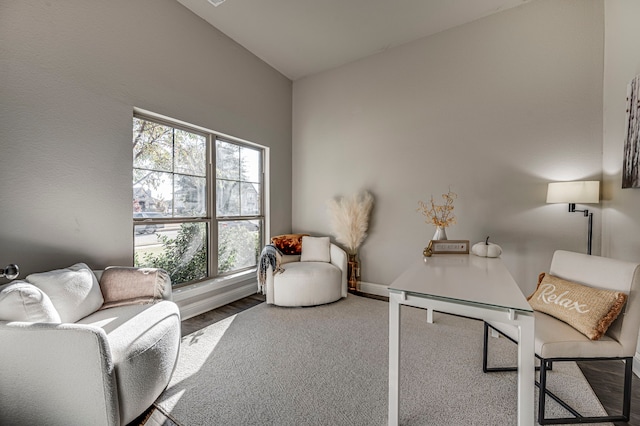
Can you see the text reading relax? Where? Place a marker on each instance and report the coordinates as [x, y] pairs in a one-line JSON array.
[[548, 296]]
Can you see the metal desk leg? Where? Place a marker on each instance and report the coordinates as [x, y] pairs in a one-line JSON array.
[[526, 370], [394, 358]]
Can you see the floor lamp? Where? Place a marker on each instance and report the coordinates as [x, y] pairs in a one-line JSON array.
[[581, 192]]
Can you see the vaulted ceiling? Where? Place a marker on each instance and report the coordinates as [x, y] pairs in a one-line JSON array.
[[303, 37]]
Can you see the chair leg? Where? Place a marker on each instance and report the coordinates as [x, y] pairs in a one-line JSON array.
[[577, 417], [628, 376], [485, 355], [542, 385], [484, 348]]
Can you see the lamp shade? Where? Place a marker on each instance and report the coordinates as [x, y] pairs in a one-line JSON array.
[[581, 192]]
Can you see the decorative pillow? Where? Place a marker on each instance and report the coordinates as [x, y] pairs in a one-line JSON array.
[[288, 243], [74, 291], [132, 286], [315, 249], [589, 310], [21, 301]]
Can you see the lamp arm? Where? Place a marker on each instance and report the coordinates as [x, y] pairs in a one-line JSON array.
[[572, 209]]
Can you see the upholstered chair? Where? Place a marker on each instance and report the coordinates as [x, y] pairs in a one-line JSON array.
[[557, 340], [86, 347], [316, 276]]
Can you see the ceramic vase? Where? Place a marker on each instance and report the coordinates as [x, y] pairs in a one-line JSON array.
[[441, 233]]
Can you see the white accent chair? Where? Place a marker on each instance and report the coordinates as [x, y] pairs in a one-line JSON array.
[[308, 283], [105, 368], [556, 341]]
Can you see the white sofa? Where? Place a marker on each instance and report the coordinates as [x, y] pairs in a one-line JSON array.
[[308, 283], [104, 368]]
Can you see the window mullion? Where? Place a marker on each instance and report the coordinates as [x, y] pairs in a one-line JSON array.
[[211, 205]]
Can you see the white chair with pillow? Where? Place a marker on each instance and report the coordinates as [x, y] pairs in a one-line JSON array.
[[315, 276], [581, 315], [78, 347]]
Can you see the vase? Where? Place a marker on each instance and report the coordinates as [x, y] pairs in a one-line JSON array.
[[353, 272], [441, 233]]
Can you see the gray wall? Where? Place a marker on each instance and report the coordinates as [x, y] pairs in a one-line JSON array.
[[494, 109], [71, 73], [621, 207]]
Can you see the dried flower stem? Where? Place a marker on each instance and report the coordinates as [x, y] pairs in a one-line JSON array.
[[440, 215]]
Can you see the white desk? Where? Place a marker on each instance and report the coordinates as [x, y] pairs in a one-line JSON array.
[[471, 286]]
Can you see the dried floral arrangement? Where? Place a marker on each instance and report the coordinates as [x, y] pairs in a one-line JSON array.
[[350, 219], [440, 215]]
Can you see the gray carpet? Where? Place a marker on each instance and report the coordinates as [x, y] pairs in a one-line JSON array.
[[327, 365]]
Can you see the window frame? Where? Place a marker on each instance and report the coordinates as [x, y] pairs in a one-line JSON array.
[[211, 219]]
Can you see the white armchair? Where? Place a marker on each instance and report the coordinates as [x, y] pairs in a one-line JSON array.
[[87, 357], [307, 282]]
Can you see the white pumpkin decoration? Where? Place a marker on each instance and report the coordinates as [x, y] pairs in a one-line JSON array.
[[486, 249]]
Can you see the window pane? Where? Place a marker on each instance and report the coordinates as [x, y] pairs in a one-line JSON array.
[[250, 165], [152, 145], [228, 198], [238, 244], [227, 160], [152, 192], [190, 196], [250, 199], [190, 153], [180, 249]]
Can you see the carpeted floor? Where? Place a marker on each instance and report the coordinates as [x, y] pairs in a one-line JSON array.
[[328, 365]]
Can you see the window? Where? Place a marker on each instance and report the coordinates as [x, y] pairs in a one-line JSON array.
[[195, 222], [238, 204]]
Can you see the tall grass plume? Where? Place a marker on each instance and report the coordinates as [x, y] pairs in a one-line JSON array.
[[350, 219]]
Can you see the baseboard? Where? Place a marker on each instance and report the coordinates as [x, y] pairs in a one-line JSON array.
[[206, 304], [372, 288]]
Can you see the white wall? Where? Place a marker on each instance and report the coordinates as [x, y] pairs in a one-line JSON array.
[[621, 223], [494, 109], [71, 73]]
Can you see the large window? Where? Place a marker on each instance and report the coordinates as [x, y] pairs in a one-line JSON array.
[[195, 221]]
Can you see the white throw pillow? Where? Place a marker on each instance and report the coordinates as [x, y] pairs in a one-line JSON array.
[[21, 301], [74, 291], [316, 249]]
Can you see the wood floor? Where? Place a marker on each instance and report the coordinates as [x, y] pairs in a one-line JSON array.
[[604, 377], [606, 380]]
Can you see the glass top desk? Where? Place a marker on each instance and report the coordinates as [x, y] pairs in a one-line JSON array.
[[471, 286]]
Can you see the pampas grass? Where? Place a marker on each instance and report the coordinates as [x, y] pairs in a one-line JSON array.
[[350, 219]]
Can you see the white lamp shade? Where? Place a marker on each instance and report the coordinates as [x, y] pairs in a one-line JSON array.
[[583, 192]]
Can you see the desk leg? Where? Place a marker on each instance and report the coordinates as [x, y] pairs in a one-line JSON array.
[[526, 371], [430, 315], [394, 358]]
